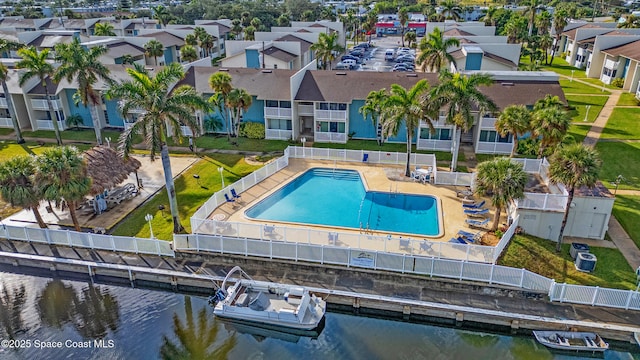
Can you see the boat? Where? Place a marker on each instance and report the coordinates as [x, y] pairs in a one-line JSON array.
[[266, 303], [571, 340]]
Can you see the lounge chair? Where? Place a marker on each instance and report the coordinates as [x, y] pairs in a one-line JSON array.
[[458, 240], [235, 194], [269, 230], [425, 246], [476, 223], [333, 238], [470, 237], [226, 197], [405, 244], [474, 205], [476, 212]]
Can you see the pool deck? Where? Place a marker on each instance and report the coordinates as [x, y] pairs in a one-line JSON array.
[[376, 177]]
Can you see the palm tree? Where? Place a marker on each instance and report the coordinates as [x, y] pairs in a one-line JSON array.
[[373, 106], [96, 313], [36, 64], [103, 29], [220, 83], [17, 185], [83, 65], [450, 9], [504, 180], [406, 107], [236, 27], [283, 20], [433, 51], [6, 46], [403, 18], [62, 175], [256, 22], [548, 101], [551, 124], [191, 40], [162, 107], [515, 120], [410, 37], [532, 7], [238, 101], [128, 59], [206, 43], [249, 33], [188, 53], [543, 22], [326, 48], [161, 14], [574, 166], [630, 22], [489, 16], [154, 48], [461, 94], [560, 20]]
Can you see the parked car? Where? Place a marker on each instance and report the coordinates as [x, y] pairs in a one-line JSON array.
[[343, 66], [351, 57], [350, 62], [363, 45], [357, 52], [405, 58], [389, 55]]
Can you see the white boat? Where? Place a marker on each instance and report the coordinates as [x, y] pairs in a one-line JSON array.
[[271, 304], [571, 340]]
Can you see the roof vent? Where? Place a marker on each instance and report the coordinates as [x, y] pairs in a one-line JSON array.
[[412, 75], [267, 71], [507, 84], [341, 73], [223, 69]]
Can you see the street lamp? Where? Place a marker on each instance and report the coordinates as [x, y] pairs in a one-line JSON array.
[[617, 182], [221, 169], [149, 217], [571, 76]]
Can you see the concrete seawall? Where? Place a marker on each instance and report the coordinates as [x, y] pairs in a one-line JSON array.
[[392, 295]]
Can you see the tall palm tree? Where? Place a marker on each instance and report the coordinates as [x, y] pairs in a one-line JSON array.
[[551, 124], [326, 48], [489, 16], [83, 65], [236, 27], [560, 21], [548, 101], [450, 9], [162, 14], [406, 107], [62, 175], [461, 95], [532, 8], [220, 83], [238, 101], [18, 187], [191, 40], [162, 107], [373, 106], [543, 22], [36, 64], [433, 51], [249, 33], [515, 120], [403, 18], [410, 37], [206, 43], [573, 166], [103, 29], [154, 48], [188, 53], [6, 46], [283, 20], [504, 180]]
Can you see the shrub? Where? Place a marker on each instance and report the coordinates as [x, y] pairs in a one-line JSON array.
[[252, 130], [618, 82]]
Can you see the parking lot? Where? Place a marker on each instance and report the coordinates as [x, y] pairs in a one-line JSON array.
[[373, 58]]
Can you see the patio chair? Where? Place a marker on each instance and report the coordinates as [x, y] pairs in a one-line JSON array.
[[405, 244], [415, 176], [458, 240], [476, 212], [477, 223], [269, 230], [333, 238], [425, 246], [234, 194], [474, 205], [424, 178], [470, 237], [232, 201]]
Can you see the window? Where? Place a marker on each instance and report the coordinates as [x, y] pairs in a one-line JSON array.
[[439, 134], [279, 124], [331, 106], [106, 117], [275, 66], [271, 103], [492, 136], [330, 126], [285, 104]]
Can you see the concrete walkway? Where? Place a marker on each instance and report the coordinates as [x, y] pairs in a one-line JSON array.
[[601, 121]]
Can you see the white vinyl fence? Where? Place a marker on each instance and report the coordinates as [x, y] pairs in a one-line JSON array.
[[87, 240]]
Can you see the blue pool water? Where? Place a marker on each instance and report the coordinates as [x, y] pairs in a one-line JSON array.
[[338, 198]]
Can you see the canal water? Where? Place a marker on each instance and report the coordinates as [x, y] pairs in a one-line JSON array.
[[43, 318]]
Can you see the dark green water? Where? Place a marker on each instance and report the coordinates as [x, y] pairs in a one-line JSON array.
[[143, 324]]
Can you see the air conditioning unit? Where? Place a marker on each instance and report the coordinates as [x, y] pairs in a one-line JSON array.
[[586, 262]]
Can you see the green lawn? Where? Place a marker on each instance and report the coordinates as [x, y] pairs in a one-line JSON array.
[[240, 144], [628, 99], [600, 84], [539, 256], [626, 209], [559, 66], [576, 87], [580, 102], [372, 145], [83, 135], [5, 131], [190, 196], [623, 124], [620, 158], [9, 148], [579, 131]]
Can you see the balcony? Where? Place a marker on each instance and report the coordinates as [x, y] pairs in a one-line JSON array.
[[335, 115], [48, 125], [434, 145], [277, 134], [487, 122], [42, 104], [305, 110], [6, 123], [494, 148], [3, 103], [333, 137], [277, 112]]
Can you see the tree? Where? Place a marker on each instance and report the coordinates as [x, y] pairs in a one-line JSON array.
[[128, 59], [489, 16], [96, 313], [504, 180], [18, 187], [410, 37], [36, 64], [515, 120], [220, 83], [188, 53], [283, 20], [162, 14], [74, 120], [461, 94], [543, 22], [548, 101], [551, 124], [532, 8], [191, 40], [84, 65], [574, 166], [249, 33], [406, 107], [560, 20], [103, 29], [238, 100], [206, 43], [236, 27], [515, 29], [154, 48], [7, 46], [450, 9], [62, 175], [403, 18], [162, 107], [630, 22], [433, 51], [326, 48], [373, 106]]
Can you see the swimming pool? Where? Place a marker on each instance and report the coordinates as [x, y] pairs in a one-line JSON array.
[[333, 197]]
